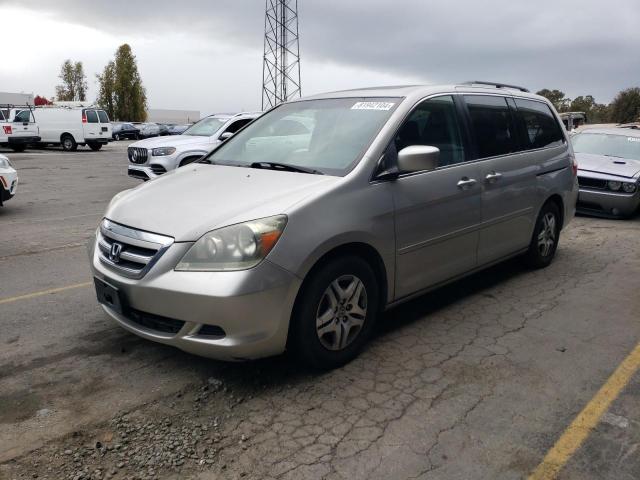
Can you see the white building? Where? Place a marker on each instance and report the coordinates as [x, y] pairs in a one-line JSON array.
[[172, 116], [16, 98]]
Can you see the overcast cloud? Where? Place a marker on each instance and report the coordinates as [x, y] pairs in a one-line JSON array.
[[207, 55]]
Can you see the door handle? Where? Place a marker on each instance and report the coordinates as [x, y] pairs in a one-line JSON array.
[[493, 177], [466, 183]]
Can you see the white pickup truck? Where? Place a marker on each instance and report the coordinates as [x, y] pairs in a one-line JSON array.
[[18, 127]]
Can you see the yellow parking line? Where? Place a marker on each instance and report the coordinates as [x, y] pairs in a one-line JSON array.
[[43, 292], [587, 419]]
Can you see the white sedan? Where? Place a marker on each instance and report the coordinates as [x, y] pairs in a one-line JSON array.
[[8, 180]]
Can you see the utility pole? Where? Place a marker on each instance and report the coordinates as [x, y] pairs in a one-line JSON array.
[[281, 61]]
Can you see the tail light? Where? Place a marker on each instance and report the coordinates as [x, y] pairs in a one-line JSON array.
[[574, 166], [7, 129], [84, 117]]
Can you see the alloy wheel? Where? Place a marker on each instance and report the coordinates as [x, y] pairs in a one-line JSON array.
[[547, 235], [341, 313]]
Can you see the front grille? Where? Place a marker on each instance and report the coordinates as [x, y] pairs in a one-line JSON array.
[[127, 251], [592, 183], [137, 155], [155, 322], [158, 169]]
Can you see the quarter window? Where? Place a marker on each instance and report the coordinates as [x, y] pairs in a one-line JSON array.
[[23, 117], [434, 123], [541, 128], [493, 125], [92, 116]]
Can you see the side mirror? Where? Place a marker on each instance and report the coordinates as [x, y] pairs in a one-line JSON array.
[[418, 158], [225, 136]]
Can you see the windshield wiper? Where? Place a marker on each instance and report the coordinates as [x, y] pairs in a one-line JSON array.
[[285, 167]]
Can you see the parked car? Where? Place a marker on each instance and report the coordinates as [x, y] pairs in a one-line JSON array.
[[8, 180], [153, 157], [124, 130], [147, 129], [18, 127], [73, 126], [397, 191], [608, 171], [164, 129], [178, 129]]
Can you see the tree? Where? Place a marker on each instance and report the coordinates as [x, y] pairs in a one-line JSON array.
[[625, 107], [556, 97], [130, 98], [596, 112], [74, 82], [106, 89]]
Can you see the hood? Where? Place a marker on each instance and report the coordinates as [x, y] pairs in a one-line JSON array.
[[190, 201], [621, 167], [172, 141]]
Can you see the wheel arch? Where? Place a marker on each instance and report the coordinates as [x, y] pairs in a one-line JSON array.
[[559, 202], [358, 249]]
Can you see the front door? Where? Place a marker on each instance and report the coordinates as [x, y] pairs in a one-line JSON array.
[[438, 212]]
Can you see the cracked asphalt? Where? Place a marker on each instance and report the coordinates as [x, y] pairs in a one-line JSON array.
[[474, 381]]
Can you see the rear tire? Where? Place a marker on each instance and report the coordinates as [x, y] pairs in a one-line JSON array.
[[335, 313], [188, 160], [68, 143], [95, 146], [21, 147], [116, 137], [546, 234]]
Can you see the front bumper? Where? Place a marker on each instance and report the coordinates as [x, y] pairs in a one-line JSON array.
[[251, 307], [607, 203], [8, 185]]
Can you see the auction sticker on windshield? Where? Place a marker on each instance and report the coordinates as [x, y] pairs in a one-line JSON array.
[[633, 139], [373, 106]]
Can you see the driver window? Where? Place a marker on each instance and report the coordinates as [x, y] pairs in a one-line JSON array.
[[434, 123]]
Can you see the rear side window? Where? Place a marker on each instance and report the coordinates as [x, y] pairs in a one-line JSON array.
[[24, 116], [92, 116], [541, 128], [493, 125], [104, 118]]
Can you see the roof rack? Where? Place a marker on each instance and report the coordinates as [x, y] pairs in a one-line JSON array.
[[495, 84]]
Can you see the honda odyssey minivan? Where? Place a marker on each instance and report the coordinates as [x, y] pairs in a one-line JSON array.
[[300, 229]]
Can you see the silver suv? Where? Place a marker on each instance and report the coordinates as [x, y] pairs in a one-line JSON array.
[[297, 232], [153, 157]]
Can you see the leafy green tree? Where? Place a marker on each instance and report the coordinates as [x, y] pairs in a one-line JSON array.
[[74, 82], [556, 97], [596, 112], [130, 98], [626, 106], [106, 89]]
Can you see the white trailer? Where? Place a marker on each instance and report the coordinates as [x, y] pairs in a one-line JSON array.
[[73, 126]]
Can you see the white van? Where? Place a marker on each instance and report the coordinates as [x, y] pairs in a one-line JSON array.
[[73, 126], [18, 127]]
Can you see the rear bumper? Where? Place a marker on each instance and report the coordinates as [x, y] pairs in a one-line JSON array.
[[23, 140], [102, 141], [608, 204]]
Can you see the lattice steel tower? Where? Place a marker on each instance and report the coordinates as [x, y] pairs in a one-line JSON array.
[[281, 64]]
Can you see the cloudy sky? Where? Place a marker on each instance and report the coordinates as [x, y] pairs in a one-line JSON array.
[[207, 54]]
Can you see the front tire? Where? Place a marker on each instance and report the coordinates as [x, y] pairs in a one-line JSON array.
[[546, 235], [335, 313], [116, 137], [68, 143]]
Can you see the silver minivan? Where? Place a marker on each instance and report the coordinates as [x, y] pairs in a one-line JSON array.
[[299, 230]]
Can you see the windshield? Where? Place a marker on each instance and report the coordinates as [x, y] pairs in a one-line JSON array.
[[606, 144], [327, 135], [206, 127]]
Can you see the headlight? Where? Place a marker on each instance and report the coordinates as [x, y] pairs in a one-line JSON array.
[[5, 163], [163, 151], [629, 187], [237, 247], [613, 185]]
